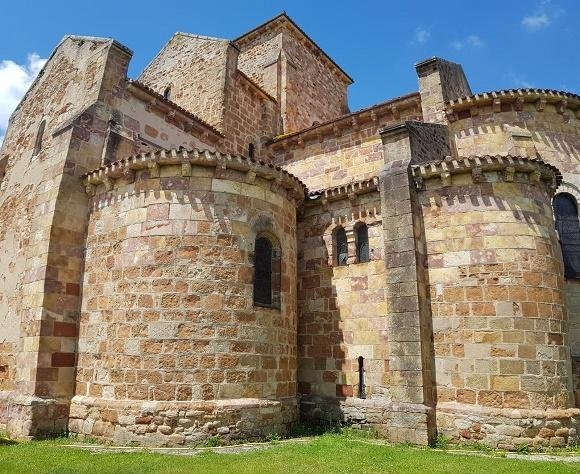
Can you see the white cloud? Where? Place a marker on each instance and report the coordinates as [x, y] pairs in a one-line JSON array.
[[475, 41], [15, 79], [543, 16], [472, 41], [422, 35], [520, 81]]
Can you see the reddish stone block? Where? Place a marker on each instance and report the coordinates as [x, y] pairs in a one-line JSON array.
[[64, 329], [63, 359]]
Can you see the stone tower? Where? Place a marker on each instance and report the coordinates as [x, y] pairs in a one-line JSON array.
[[220, 247]]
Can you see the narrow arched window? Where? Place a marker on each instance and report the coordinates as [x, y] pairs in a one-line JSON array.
[[568, 226], [263, 260], [362, 243], [251, 150], [167, 93], [341, 246], [39, 137]]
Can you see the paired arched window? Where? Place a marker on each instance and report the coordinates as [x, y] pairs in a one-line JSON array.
[[362, 243], [267, 272], [568, 226], [341, 245], [167, 93], [39, 138]]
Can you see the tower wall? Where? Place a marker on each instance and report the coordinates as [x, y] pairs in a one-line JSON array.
[[42, 222], [497, 295], [542, 124], [171, 347]]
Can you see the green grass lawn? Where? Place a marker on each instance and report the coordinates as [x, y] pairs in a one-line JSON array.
[[330, 453]]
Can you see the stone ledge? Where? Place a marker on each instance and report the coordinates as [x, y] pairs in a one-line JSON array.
[[515, 413], [538, 170], [125, 169], [175, 423]]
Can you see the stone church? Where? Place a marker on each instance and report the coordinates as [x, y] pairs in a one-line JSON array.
[[221, 247]]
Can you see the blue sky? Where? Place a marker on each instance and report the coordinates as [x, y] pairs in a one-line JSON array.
[[501, 44]]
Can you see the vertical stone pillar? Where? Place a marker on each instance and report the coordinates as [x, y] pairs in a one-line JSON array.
[[440, 81], [409, 381]]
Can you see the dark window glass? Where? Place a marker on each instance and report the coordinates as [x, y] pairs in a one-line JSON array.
[[251, 150], [263, 271], [167, 93], [341, 247], [568, 228], [39, 137], [362, 243]]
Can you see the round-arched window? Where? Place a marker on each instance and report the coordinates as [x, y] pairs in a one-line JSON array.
[[568, 227]]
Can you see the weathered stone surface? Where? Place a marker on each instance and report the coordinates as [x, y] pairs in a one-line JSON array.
[[130, 288]]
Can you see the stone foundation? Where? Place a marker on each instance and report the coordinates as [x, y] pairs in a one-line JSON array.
[[397, 422], [508, 428], [171, 423], [28, 417]]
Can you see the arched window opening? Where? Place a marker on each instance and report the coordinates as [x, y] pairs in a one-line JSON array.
[[341, 245], [251, 150], [568, 226], [3, 165], [267, 273], [361, 378], [362, 243], [39, 137], [167, 93]]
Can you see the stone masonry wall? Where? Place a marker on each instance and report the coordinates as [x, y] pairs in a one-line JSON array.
[[45, 213], [350, 150], [341, 308], [499, 318], [195, 69], [309, 89], [537, 126], [167, 308]]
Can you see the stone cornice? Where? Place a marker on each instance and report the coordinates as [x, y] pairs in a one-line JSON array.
[[284, 20], [538, 170], [190, 120], [348, 121], [255, 87], [512, 99], [125, 169], [345, 191]]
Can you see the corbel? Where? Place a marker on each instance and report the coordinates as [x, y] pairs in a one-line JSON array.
[[477, 174], [276, 185], [474, 110], [396, 112], [540, 104], [220, 170], [373, 116], [129, 175], [250, 176], [108, 183], [89, 189], [186, 169], [419, 182], [153, 168], [450, 114], [445, 178], [519, 104], [497, 105], [509, 174], [561, 106], [151, 104]]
